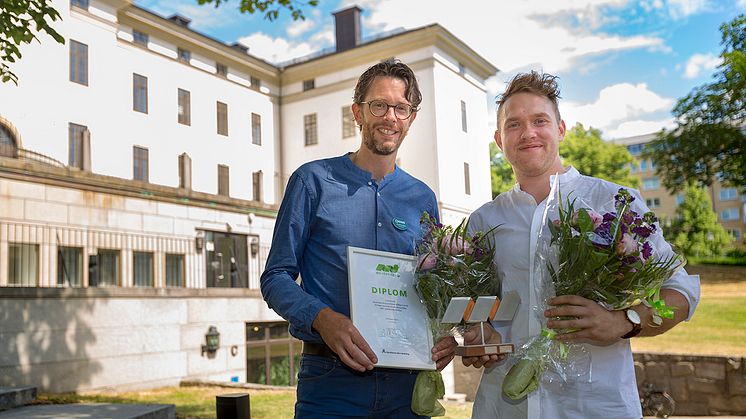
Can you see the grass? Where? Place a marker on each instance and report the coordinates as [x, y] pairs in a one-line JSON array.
[[720, 260], [715, 329], [199, 402]]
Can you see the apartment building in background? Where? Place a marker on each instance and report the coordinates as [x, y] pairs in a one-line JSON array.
[[141, 168], [727, 202]]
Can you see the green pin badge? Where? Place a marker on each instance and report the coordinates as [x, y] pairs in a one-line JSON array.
[[399, 224]]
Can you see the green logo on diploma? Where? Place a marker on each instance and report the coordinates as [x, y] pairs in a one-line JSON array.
[[387, 268]]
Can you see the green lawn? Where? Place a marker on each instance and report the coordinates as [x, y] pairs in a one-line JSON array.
[[715, 329]]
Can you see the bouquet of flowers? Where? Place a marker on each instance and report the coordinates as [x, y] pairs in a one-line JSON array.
[[450, 263], [607, 258]]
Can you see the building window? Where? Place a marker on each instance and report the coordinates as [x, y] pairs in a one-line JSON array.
[[644, 165], [635, 149], [728, 194], [174, 271], [185, 171], [736, 233], [309, 129], [309, 84], [461, 69], [467, 180], [23, 264], [272, 355], [140, 163], [651, 183], [83, 4], [653, 202], [140, 38], [222, 112], [76, 135], [679, 199], [78, 62], [256, 129], [227, 262], [70, 266], [8, 147], [256, 186], [729, 214], [103, 268], [221, 70], [256, 84], [348, 122], [142, 269], [185, 107], [139, 93], [223, 180], [183, 55], [463, 116]]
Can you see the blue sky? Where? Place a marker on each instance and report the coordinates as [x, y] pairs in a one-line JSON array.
[[622, 64]]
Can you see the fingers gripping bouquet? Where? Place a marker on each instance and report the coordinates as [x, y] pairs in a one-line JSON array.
[[450, 263], [605, 257]]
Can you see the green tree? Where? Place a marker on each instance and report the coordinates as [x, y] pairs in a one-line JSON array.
[[696, 231], [500, 170], [586, 151], [270, 8], [709, 138], [20, 22]]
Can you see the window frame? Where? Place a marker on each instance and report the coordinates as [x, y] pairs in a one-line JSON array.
[[221, 113], [256, 129], [141, 161], [256, 185], [184, 110], [139, 87], [76, 140], [140, 38], [224, 180], [310, 129], [182, 270], [464, 126], [349, 126], [78, 57], [149, 269]]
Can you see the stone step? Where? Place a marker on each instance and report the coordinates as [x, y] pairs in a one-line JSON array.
[[92, 410], [11, 397]]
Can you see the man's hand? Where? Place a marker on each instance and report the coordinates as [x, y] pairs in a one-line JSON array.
[[473, 336], [344, 339], [444, 351], [589, 323]]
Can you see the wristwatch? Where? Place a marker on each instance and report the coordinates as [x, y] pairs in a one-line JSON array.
[[634, 318]]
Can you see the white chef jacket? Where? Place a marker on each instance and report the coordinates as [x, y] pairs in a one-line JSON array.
[[610, 390]]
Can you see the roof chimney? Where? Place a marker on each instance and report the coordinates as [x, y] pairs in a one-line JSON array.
[[180, 20], [347, 23]]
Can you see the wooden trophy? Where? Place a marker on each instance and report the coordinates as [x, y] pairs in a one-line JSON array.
[[479, 311]]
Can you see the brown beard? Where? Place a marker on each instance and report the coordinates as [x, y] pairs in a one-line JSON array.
[[370, 143]]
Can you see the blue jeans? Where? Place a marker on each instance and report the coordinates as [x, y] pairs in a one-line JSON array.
[[329, 389]]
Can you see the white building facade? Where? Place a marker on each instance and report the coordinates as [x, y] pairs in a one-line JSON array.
[[141, 168]]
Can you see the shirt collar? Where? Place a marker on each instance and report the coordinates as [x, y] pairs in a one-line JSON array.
[[365, 176]]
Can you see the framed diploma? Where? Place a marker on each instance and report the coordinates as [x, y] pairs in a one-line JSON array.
[[386, 309]]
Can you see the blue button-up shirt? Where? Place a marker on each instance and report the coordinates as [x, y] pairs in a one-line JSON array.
[[329, 205]]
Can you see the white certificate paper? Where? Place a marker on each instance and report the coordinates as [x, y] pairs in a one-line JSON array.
[[386, 309]]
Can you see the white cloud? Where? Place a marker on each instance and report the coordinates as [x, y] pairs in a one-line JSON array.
[[300, 26], [638, 127], [275, 49], [699, 62], [203, 18], [619, 109], [682, 8], [514, 35], [741, 4]]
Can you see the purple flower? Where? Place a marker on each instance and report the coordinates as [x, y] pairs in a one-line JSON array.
[[595, 218], [643, 231], [609, 216], [647, 250]]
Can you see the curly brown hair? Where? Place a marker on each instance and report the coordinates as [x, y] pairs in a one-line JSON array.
[[541, 84], [389, 68]]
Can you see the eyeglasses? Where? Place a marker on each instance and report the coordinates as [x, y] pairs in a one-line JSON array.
[[379, 108]]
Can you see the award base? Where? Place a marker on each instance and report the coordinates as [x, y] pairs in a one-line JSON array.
[[487, 349]]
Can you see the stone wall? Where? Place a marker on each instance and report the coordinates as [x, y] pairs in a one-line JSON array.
[[700, 385]]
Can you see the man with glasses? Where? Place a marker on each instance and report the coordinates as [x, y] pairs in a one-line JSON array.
[[359, 199]]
